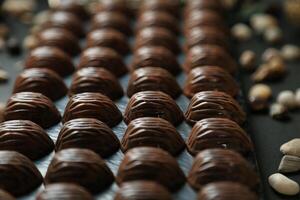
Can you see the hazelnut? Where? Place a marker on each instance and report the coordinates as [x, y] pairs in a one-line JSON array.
[[290, 52], [278, 111], [261, 22], [248, 59], [273, 35], [297, 97], [30, 42], [3, 76], [274, 69], [270, 53], [259, 96], [241, 32], [287, 98]]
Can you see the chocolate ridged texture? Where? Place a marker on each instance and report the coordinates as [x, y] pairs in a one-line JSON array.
[[153, 104], [218, 133], [103, 57], [209, 55], [19, 175], [157, 36], [32, 106], [41, 80], [64, 191], [90, 134], [119, 6], [210, 78], [142, 190], [92, 79], [153, 79], [72, 6], [214, 5], [109, 38], [52, 58], [26, 138], [149, 163], [155, 56], [214, 104], [92, 105], [82, 167], [153, 132], [60, 38], [5, 195], [214, 165], [169, 6], [226, 191]]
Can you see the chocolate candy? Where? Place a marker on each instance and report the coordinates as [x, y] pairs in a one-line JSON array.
[[82, 167], [155, 132], [108, 38], [32, 106], [142, 190], [215, 165], [210, 78], [103, 57], [26, 138], [157, 36], [226, 191], [149, 163], [41, 80], [60, 38], [214, 5], [64, 191], [153, 104], [92, 105], [170, 6], [214, 104], [52, 58], [155, 57], [92, 79], [89, 134], [6, 196], [119, 6], [218, 133], [19, 176], [209, 55], [72, 6], [153, 79]]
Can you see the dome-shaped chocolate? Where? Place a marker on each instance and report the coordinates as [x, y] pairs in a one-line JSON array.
[[169, 6], [119, 6], [213, 5], [72, 6]]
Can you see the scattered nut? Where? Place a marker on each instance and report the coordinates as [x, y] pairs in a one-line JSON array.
[[248, 60], [18, 7], [261, 22], [269, 54], [2, 107], [241, 32], [283, 184], [278, 111], [41, 17], [291, 148], [290, 52], [274, 69], [289, 164], [258, 96], [297, 97], [30, 42], [3, 76], [273, 35], [287, 98]]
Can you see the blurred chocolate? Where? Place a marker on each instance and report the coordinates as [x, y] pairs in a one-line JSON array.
[[169, 6], [214, 165], [79, 166], [90, 134], [142, 190], [64, 191], [109, 38], [209, 55], [26, 138], [149, 163], [120, 6], [153, 104], [214, 104], [19, 175], [52, 58], [41, 80], [218, 133], [153, 79], [210, 78], [5, 195], [153, 132], [92, 105], [103, 57], [72, 6], [214, 5], [32, 106], [226, 191], [155, 57], [92, 79]]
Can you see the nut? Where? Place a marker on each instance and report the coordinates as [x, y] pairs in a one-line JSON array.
[[3, 76], [273, 35], [261, 22], [241, 32], [283, 184], [270, 53], [290, 52], [41, 17], [287, 98], [291, 148], [30, 42], [297, 97], [278, 111], [18, 7], [289, 164], [274, 69], [248, 59], [259, 96], [2, 108]]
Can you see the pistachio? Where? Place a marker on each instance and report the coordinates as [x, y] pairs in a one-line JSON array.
[[2, 107], [290, 52], [287, 98], [283, 184], [270, 53], [259, 96], [278, 111], [3, 76], [273, 35], [289, 164], [241, 32], [291, 148], [261, 22], [248, 60]]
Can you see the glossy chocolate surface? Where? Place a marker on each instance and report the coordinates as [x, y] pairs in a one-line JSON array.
[[72, 6], [5, 195], [215, 5], [120, 6], [169, 6]]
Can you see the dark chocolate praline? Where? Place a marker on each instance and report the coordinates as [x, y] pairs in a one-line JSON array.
[[79, 166], [149, 163], [210, 78], [92, 105], [142, 190], [32, 106], [169, 6], [153, 79], [214, 104], [72, 6], [19, 175], [5, 195], [109, 38], [90, 134], [156, 56], [213, 165], [92, 79], [153, 104], [41, 80], [120, 6], [103, 57], [64, 191], [218, 133], [214, 5], [52, 58], [26, 138], [153, 132]]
